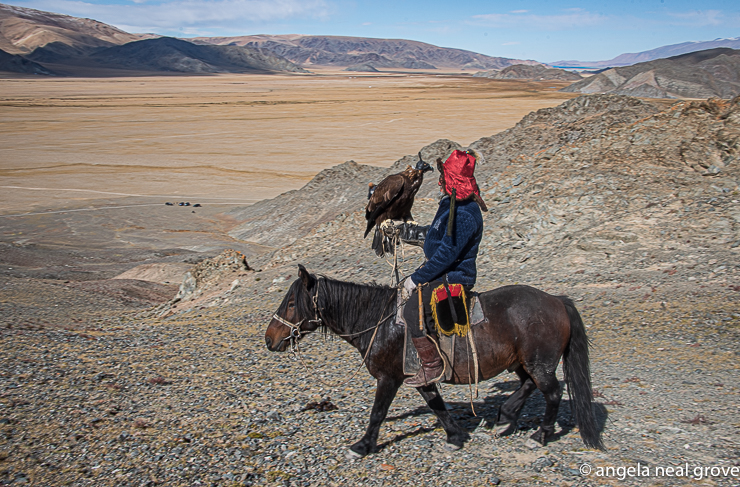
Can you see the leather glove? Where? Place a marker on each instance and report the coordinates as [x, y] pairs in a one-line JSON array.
[[408, 286]]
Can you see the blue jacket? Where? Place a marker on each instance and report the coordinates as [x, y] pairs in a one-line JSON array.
[[455, 255]]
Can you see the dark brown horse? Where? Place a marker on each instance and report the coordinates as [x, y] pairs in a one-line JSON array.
[[527, 331]]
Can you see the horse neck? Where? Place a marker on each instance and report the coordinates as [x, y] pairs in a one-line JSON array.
[[348, 308]]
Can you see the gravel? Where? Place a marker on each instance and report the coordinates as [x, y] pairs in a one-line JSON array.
[[196, 399]]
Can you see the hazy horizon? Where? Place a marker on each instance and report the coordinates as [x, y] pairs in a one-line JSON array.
[[538, 30]]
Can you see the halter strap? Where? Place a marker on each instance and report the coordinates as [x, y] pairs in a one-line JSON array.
[[295, 328]]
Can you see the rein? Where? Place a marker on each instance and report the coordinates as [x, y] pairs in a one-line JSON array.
[[295, 334]]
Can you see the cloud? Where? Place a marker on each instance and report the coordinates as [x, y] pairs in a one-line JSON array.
[[699, 18], [180, 15], [519, 11], [512, 43], [568, 20]]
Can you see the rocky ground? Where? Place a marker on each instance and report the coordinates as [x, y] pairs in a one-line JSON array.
[[101, 390]]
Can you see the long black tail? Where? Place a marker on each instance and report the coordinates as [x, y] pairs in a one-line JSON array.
[[577, 370]]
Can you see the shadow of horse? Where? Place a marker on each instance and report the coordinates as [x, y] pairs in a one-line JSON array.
[[486, 413]]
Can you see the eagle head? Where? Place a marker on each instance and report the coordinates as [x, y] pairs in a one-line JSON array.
[[423, 166]]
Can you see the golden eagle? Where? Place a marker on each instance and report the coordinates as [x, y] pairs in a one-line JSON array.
[[393, 198]]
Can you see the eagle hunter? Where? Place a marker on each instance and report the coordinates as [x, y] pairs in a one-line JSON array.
[[393, 197]]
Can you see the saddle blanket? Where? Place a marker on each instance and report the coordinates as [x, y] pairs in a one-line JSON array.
[[411, 364]]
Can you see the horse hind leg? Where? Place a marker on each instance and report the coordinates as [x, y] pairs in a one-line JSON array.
[[548, 384], [456, 436], [508, 413]]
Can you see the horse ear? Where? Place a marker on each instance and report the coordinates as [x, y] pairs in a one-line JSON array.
[[308, 280]]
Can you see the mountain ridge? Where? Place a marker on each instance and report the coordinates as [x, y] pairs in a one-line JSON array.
[[630, 58], [22, 30], [700, 74], [347, 51]]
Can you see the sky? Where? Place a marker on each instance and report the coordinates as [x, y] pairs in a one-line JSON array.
[[545, 31]]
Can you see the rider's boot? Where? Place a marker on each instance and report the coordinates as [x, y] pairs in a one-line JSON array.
[[432, 366]]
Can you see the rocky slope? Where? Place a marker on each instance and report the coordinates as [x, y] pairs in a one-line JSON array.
[[378, 53], [530, 72], [598, 183], [703, 74], [343, 189]]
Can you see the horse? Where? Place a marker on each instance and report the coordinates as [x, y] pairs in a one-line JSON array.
[[526, 331]]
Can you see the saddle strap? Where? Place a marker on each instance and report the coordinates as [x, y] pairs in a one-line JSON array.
[[475, 359]]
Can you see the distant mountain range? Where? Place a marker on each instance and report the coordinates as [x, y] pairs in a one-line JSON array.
[[32, 41], [36, 42], [45, 43], [703, 74], [629, 59], [365, 52]]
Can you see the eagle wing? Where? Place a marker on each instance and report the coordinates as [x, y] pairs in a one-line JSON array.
[[386, 193]]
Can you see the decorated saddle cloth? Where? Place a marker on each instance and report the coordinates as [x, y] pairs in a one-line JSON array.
[[450, 310], [411, 364]]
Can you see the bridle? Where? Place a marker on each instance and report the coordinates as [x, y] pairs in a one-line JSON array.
[[296, 333], [295, 328]]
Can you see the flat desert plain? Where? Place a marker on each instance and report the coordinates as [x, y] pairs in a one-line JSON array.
[[230, 139]]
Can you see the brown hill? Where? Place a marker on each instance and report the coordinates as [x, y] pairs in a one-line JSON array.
[[163, 54], [379, 53], [24, 29], [75, 46], [169, 54], [15, 63], [531, 72], [702, 74]]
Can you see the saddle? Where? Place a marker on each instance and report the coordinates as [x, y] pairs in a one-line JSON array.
[[411, 363]]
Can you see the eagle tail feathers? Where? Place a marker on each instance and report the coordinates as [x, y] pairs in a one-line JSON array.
[[377, 244]]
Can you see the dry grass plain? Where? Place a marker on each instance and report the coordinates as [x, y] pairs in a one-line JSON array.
[[230, 139]]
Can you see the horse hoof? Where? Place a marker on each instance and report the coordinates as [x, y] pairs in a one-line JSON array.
[[451, 447], [504, 429], [352, 455]]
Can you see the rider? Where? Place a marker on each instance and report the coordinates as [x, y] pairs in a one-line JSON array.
[[451, 254]]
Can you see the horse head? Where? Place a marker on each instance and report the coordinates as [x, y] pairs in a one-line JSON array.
[[297, 315]]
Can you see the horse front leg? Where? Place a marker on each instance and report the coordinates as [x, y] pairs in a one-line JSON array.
[[384, 395], [456, 436]]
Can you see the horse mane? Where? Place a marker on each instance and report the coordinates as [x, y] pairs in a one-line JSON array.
[[363, 302], [359, 305]]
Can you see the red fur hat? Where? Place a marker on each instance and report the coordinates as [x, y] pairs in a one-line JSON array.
[[458, 174]]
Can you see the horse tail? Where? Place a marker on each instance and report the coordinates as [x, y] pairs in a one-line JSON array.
[[577, 371]]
